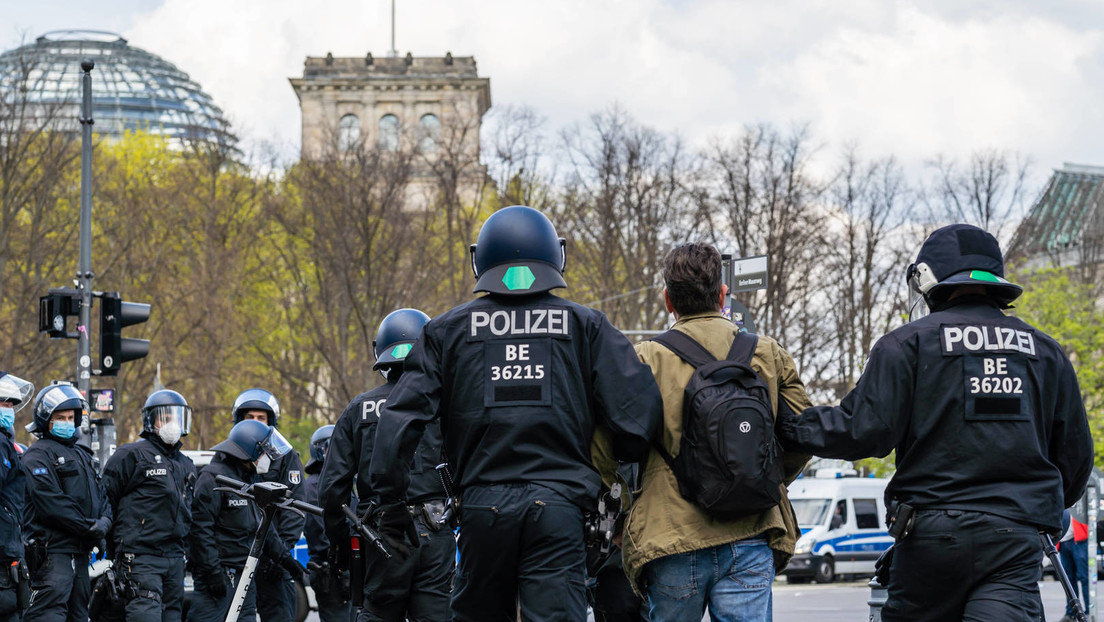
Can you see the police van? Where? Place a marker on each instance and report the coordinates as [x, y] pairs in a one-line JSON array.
[[843, 530]]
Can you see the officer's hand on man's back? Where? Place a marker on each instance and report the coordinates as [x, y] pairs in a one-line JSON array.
[[217, 584], [98, 530], [397, 529]]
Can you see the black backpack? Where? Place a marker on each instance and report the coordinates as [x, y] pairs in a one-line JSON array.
[[728, 461]]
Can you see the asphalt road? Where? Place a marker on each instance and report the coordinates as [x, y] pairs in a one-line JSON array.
[[846, 602]]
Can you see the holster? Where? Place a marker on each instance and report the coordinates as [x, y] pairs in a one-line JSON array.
[[432, 513], [900, 520], [106, 602], [35, 552], [22, 579], [356, 573]]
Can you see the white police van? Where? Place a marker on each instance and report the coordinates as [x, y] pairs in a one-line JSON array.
[[843, 528]]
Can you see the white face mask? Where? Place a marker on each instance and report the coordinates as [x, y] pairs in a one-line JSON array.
[[263, 463], [170, 432]]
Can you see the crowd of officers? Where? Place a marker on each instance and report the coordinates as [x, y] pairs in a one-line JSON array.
[[496, 403]]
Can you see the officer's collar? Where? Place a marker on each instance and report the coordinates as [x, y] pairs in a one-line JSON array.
[[156, 441], [968, 300]]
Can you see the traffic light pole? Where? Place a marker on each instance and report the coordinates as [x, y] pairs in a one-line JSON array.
[[84, 269]]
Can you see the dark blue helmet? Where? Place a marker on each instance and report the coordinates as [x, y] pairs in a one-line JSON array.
[[518, 252], [250, 438], [958, 255], [319, 443], [396, 335], [166, 405], [57, 397], [256, 399]]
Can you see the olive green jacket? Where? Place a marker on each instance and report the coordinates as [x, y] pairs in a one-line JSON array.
[[661, 522]]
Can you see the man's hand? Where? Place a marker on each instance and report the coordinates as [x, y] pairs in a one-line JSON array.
[[397, 529], [98, 530]]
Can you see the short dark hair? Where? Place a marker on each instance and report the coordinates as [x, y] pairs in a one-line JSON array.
[[692, 274]]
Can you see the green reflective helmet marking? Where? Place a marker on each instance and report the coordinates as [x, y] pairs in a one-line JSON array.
[[518, 277], [400, 351], [981, 275]]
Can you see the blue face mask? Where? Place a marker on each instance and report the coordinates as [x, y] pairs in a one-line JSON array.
[[63, 429], [7, 417]]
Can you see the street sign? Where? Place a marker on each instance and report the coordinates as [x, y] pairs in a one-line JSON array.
[[748, 274]]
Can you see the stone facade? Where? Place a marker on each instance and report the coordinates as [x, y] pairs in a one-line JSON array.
[[392, 102]]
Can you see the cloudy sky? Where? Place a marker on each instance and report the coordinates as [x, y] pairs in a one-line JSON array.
[[914, 79]]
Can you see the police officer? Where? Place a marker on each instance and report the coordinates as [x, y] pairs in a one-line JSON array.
[[15, 393], [276, 594], [67, 512], [992, 441], [333, 601], [149, 483], [415, 586], [519, 379], [224, 525]]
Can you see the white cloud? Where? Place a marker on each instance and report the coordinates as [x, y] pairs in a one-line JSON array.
[[897, 77]]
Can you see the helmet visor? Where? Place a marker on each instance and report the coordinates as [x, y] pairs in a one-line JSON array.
[[917, 304], [15, 390], [180, 414], [64, 397], [275, 445]]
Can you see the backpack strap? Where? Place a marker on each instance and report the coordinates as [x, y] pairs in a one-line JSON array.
[[743, 348], [685, 347]]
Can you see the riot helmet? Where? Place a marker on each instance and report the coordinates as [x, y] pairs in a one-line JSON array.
[[256, 399], [518, 253], [955, 256], [58, 397], [250, 439], [319, 443], [167, 415], [15, 390], [396, 335]]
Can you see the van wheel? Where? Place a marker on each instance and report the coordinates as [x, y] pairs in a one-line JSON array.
[[826, 570]]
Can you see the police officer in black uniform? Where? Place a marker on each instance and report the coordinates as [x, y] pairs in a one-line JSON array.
[[15, 393], [224, 525], [519, 379], [415, 586], [67, 512], [992, 441], [332, 595], [149, 483], [276, 594]]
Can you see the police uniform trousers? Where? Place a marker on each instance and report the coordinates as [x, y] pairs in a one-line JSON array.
[[611, 596], [206, 608], [9, 595], [60, 589], [416, 588], [332, 606], [520, 545], [961, 565], [276, 594], [154, 587]]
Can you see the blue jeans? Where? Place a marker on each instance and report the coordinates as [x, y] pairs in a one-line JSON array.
[[1075, 561], [733, 579]]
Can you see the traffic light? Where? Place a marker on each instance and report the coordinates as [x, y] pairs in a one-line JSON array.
[[54, 310], [116, 314]]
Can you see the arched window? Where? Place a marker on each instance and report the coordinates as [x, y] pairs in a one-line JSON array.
[[429, 131], [389, 133], [348, 133]]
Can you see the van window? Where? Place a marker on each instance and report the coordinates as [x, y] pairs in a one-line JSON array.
[[866, 513], [810, 511], [841, 512]]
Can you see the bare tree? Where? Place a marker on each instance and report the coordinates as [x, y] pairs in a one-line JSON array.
[[988, 191], [628, 198]]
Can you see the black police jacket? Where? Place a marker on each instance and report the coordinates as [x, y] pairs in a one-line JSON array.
[[519, 384], [149, 485], [350, 453], [223, 524], [318, 545], [287, 470], [984, 411], [12, 485], [64, 496]]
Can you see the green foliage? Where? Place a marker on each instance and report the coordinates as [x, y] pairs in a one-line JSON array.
[[1055, 302]]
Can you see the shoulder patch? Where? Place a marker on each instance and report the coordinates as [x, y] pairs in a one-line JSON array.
[[294, 477], [40, 471]]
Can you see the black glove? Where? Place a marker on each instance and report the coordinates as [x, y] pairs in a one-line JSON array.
[[294, 568], [216, 584], [397, 529], [319, 577], [98, 530], [881, 567]]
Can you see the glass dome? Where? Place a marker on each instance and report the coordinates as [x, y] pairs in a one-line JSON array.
[[131, 88]]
